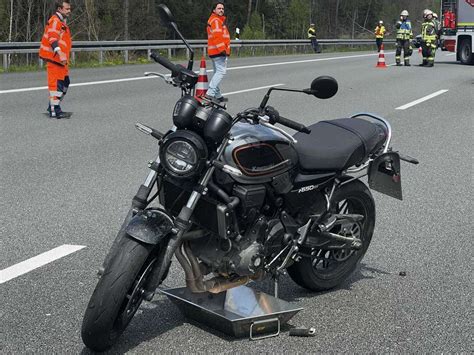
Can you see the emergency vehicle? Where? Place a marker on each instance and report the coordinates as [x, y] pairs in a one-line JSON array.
[[458, 29]]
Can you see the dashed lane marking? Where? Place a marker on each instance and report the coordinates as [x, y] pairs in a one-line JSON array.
[[253, 89], [40, 260], [416, 102]]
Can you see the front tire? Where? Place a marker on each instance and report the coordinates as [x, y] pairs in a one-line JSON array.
[[327, 269], [118, 294]]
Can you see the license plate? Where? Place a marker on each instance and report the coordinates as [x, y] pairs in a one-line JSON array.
[[384, 175]]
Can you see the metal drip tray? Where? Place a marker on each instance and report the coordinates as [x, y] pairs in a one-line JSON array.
[[240, 311]]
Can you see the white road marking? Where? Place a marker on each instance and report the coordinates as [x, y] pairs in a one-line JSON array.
[[247, 90], [416, 102], [10, 91], [450, 54], [37, 261]]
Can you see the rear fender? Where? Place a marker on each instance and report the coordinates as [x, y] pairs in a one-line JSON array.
[[150, 226]]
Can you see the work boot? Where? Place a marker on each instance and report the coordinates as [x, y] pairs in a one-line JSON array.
[[62, 115], [222, 99], [430, 65], [407, 64], [399, 64]]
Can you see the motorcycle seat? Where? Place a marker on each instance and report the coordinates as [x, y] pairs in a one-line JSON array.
[[338, 144]]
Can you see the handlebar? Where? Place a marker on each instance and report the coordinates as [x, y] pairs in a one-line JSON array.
[[275, 117], [175, 69], [293, 125]]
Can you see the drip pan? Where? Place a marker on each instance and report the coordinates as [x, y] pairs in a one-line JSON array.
[[240, 311]]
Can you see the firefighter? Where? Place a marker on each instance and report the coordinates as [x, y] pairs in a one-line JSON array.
[[439, 29], [312, 38], [379, 34], [55, 49], [404, 37], [428, 39]]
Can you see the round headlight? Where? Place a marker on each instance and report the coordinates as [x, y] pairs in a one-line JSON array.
[[183, 154]]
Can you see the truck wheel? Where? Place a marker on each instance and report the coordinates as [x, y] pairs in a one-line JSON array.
[[465, 52]]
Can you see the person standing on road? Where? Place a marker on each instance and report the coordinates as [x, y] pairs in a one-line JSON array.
[[379, 34], [428, 39], [404, 37], [312, 37], [437, 23], [218, 49], [55, 49]]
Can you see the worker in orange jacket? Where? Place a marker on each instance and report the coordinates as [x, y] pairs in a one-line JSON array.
[[218, 49], [55, 50]]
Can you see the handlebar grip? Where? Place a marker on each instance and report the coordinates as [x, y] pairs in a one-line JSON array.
[[166, 63], [293, 125]]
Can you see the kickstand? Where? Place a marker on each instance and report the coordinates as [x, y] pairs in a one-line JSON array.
[[276, 278]]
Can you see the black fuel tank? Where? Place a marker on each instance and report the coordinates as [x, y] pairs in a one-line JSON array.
[[260, 153]]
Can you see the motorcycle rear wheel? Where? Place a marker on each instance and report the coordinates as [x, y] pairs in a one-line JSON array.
[[327, 269], [118, 294]]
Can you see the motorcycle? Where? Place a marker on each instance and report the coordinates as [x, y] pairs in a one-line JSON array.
[[240, 200]]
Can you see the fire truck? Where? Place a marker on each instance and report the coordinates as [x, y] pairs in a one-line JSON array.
[[458, 29]]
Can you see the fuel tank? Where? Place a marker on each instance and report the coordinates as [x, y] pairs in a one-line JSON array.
[[260, 153]]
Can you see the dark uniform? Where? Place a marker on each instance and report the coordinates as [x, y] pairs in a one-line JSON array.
[[404, 37], [428, 41]]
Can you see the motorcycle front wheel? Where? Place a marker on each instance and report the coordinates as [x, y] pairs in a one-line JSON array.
[[326, 269], [118, 293]]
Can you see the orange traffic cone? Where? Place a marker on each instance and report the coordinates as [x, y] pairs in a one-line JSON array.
[[381, 61], [202, 84]]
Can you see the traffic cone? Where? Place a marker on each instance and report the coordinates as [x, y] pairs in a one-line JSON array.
[[202, 84], [381, 61]]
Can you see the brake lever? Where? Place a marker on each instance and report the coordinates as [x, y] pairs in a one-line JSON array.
[[165, 77]]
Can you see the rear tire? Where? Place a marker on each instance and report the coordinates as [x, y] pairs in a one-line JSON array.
[[327, 269], [118, 294]]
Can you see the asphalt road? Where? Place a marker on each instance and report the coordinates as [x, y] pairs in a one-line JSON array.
[[70, 182]]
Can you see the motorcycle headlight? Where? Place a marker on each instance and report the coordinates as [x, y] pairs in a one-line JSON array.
[[183, 154]]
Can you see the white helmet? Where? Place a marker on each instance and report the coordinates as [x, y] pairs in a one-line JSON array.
[[404, 13], [427, 13], [435, 15], [380, 22]]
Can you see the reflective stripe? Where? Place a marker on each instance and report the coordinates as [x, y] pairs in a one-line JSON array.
[[220, 45], [54, 102], [52, 30], [56, 93], [47, 49], [62, 42]]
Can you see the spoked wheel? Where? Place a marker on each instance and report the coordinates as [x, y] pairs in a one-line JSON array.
[[328, 268], [118, 294]]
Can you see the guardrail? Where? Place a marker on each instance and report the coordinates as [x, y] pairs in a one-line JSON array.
[[7, 48]]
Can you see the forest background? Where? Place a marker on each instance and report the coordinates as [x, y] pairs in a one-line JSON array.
[[24, 20]]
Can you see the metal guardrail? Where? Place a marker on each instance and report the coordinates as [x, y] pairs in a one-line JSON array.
[[7, 48]]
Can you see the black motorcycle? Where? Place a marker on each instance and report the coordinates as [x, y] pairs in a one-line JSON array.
[[240, 199]]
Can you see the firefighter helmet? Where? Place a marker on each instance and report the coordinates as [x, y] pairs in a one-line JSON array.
[[404, 13], [435, 15]]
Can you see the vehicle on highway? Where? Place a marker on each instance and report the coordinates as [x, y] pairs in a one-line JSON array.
[[240, 199], [458, 29]]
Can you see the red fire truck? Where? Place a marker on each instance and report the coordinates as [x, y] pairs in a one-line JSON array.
[[458, 29]]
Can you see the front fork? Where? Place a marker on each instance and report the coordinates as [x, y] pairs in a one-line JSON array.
[[139, 203]]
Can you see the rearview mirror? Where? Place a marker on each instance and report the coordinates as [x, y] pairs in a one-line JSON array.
[[324, 87], [165, 15]]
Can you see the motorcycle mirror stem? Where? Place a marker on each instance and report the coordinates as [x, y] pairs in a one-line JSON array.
[[267, 96], [168, 19]]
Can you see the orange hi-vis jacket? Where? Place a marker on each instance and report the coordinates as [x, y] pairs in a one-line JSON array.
[[218, 37], [57, 36]]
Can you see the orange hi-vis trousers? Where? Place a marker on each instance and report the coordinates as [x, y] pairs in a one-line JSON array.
[[58, 83]]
